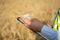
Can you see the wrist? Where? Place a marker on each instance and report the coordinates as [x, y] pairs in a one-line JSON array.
[[39, 28]]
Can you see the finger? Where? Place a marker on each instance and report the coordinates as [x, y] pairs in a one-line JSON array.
[[26, 21], [26, 25]]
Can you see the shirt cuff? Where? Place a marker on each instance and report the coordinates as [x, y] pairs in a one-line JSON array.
[[49, 32]]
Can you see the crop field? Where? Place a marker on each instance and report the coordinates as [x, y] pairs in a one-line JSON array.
[[11, 29]]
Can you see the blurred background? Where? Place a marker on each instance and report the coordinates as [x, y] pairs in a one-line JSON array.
[[11, 29]]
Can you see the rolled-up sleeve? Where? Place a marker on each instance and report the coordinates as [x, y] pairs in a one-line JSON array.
[[49, 33]]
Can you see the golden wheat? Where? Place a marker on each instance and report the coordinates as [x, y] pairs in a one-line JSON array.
[[11, 29]]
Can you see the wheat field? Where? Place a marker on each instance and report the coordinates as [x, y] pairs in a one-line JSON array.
[[11, 29]]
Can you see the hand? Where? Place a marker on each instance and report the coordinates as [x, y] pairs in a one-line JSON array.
[[33, 24]]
